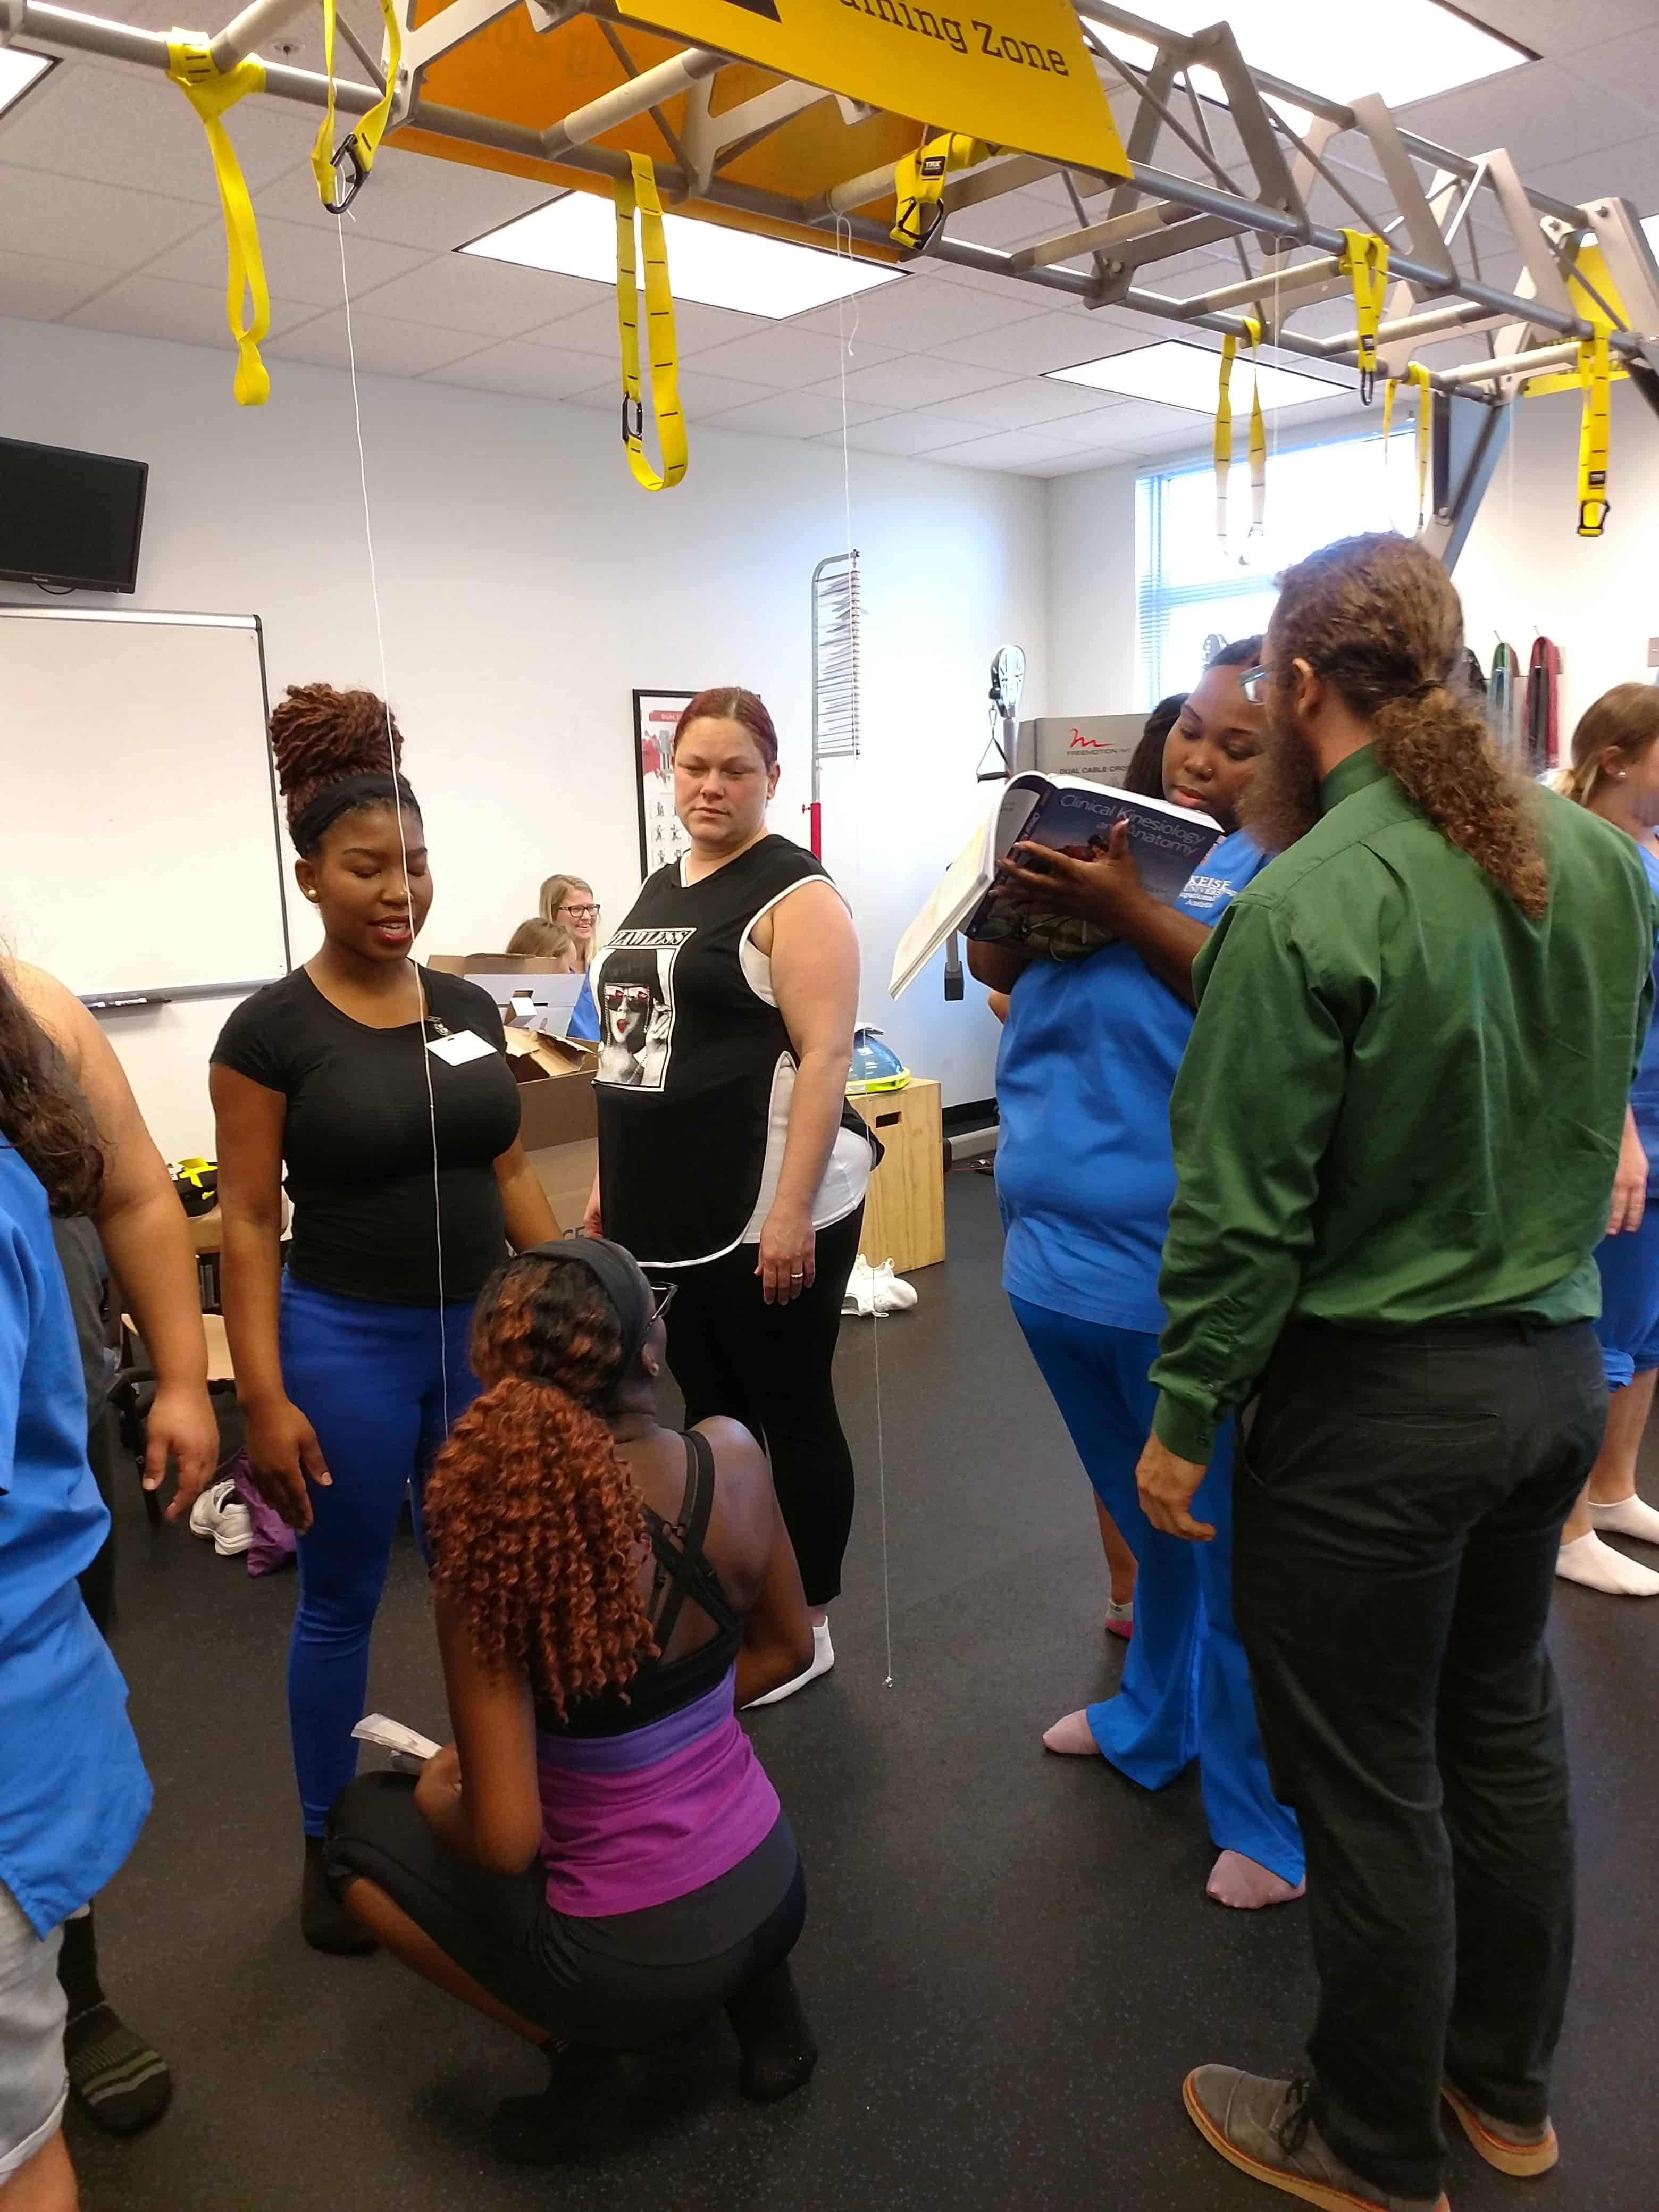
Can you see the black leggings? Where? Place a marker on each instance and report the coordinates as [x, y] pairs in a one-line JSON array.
[[771, 1367], [621, 1983]]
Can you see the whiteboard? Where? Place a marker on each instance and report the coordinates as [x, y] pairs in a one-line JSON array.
[[140, 850]]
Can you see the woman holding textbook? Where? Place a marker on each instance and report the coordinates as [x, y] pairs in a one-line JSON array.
[[1084, 1179]]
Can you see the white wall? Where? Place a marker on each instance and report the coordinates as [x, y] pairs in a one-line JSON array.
[[1091, 593], [1524, 569], [527, 585]]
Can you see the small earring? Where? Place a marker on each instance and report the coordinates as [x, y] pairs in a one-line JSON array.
[[1622, 776]]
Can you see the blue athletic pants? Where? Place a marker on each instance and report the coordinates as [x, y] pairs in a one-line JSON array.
[[1186, 1691], [1628, 1330], [372, 1381]]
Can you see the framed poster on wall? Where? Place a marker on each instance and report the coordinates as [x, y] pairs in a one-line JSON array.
[[661, 838]]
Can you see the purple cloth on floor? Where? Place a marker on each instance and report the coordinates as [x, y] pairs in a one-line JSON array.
[[273, 1540]]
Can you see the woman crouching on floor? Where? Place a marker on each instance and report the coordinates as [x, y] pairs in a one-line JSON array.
[[598, 1860]]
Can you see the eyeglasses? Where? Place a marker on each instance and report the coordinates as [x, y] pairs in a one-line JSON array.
[[1254, 683], [665, 1299], [581, 913]]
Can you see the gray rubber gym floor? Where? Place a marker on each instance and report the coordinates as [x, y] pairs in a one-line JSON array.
[[1009, 1959]]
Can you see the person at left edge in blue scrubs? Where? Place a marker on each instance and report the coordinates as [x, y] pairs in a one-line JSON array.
[[1085, 1180]]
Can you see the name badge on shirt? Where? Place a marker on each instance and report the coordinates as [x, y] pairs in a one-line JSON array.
[[458, 1049]]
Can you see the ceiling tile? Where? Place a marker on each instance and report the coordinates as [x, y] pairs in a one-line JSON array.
[[1075, 464], [920, 313], [411, 200], [533, 372], [77, 221], [459, 292], [975, 280], [1043, 342], [1026, 404], [783, 355], [1540, 113], [111, 128], [1010, 219], [38, 288], [1129, 424], [700, 394], [898, 434], [1549, 29], [916, 380], [193, 314], [1015, 450], [793, 414], [384, 347], [1630, 172], [591, 325], [301, 264]]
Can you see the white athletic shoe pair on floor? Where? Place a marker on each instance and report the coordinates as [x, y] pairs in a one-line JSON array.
[[876, 1290], [220, 1518], [1596, 1566]]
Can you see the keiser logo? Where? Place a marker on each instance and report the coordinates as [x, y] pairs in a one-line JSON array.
[[923, 22]]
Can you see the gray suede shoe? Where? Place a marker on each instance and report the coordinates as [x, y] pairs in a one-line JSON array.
[[1519, 2152], [1263, 2128]]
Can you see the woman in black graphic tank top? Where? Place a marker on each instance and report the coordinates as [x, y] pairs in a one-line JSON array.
[[730, 1163]]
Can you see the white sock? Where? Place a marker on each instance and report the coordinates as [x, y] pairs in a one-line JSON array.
[[1588, 1560], [824, 1658], [1627, 1517]]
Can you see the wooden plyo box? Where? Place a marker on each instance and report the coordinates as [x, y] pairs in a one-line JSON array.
[[904, 1214]]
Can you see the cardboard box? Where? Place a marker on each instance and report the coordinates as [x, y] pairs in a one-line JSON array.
[[566, 1173], [556, 1081]]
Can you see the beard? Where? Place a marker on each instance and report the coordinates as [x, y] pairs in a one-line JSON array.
[[1280, 803]]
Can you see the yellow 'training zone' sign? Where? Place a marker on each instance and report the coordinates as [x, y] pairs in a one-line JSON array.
[[1017, 72]]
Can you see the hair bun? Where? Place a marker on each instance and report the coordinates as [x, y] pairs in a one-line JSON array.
[[319, 736]]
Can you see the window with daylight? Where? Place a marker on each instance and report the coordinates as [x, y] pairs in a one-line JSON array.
[[1191, 586]]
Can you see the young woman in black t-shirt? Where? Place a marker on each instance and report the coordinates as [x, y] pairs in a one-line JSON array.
[[383, 1091], [730, 1162]]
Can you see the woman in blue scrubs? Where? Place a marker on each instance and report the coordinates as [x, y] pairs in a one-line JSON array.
[[1084, 1178], [1615, 773]]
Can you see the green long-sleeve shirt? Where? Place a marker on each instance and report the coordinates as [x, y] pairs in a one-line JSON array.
[[1402, 1100]]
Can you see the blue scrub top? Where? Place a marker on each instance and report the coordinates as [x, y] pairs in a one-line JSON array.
[[585, 1015], [1085, 1173], [1645, 1091], [73, 1790]]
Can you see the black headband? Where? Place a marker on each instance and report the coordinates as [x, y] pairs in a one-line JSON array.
[[618, 1274], [318, 816]]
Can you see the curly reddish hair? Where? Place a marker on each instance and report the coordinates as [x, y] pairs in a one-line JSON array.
[[319, 737], [537, 1532]]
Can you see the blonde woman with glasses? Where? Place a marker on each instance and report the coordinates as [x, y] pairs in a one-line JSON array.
[[569, 901]]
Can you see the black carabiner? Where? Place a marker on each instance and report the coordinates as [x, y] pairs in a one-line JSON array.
[[346, 155], [637, 433]]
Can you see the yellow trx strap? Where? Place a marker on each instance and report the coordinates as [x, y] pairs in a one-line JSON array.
[[360, 147], [1223, 432], [1594, 375], [639, 189], [212, 93], [918, 180], [1417, 375], [1365, 259]]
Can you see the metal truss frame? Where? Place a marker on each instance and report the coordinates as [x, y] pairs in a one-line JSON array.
[[1219, 154]]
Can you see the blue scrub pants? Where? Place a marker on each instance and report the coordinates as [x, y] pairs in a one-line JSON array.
[[1628, 1331], [1186, 1691], [371, 1379]]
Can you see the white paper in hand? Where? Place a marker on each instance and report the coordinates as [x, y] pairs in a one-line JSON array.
[[393, 1735]]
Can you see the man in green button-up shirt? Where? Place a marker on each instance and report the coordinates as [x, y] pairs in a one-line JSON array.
[[1396, 1131]]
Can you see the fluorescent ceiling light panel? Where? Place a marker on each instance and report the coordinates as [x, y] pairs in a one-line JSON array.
[[1180, 375], [1416, 50], [18, 71], [576, 236]]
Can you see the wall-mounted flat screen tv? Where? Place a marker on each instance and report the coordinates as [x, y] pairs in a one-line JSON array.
[[70, 519]]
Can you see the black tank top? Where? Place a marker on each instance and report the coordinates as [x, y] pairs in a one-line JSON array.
[[689, 1051]]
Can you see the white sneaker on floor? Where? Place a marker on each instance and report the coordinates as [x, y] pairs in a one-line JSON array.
[[220, 1516], [824, 1658], [877, 1290]]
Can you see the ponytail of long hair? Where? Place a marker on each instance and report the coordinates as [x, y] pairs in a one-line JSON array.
[[1378, 617], [538, 1531]]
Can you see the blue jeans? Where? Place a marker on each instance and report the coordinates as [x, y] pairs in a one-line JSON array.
[[372, 1381], [1186, 1691]]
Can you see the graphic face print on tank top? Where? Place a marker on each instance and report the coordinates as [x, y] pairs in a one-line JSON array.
[[637, 1007]]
